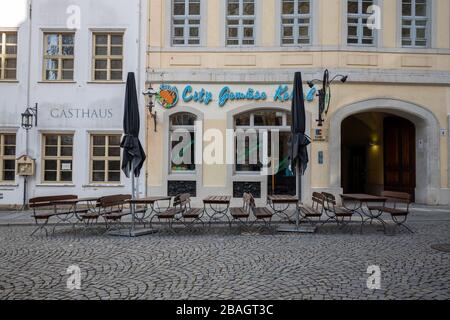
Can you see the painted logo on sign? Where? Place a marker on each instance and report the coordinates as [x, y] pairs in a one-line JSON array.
[[168, 96]]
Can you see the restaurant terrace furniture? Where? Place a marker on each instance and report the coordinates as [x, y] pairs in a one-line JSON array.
[[190, 216], [362, 205], [150, 207], [341, 215], [392, 206], [45, 208], [315, 211], [170, 214], [261, 214], [110, 208], [219, 207], [242, 215], [280, 205]]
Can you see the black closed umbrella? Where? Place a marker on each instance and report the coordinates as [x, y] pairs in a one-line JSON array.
[[133, 156], [299, 140], [133, 153]]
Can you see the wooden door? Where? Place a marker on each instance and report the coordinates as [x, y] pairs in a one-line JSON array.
[[399, 155]]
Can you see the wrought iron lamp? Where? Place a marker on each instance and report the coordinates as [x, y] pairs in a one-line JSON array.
[[27, 117], [324, 94], [151, 94]]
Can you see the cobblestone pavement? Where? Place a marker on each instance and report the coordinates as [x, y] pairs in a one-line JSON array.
[[222, 265]]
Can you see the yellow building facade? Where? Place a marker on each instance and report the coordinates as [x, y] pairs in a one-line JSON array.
[[386, 127]]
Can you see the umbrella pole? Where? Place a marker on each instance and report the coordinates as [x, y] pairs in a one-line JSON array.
[[133, 196], [299, 182]]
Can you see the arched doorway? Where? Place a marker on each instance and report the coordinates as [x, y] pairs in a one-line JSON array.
[[378, 152], [427, 143]]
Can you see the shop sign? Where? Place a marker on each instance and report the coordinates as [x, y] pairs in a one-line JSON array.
[[168, 96]]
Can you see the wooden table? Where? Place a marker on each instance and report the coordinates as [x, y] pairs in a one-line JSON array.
[[361, 201], [285, 201], [219, 205]]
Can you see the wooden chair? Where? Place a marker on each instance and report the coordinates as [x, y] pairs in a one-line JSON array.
[[170, 215], [242, 215], [341, 215], [315, 211], [397, 205], [261, 214], [110, 208], [189, 215], [44, 208]]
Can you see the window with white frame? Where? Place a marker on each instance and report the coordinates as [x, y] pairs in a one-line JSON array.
[[415, 23], [240, 22], [59, 51], [105, 158], [296, 22], [182, 142], [185, 22], [248, 148], [57, 158], [108, 56], [7, 157], [358, 31], [8, 55]]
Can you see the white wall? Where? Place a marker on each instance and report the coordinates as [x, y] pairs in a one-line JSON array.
[[50, 15]]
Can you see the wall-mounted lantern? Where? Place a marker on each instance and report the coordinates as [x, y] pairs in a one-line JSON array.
[[151, 94], [28, 116]]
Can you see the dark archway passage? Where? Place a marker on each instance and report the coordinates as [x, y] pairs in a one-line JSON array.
[[378, 153]]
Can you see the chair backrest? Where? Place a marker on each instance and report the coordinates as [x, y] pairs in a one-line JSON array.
[[39, 202], [182, 200], [114, 200], [329, 197], [318, 200], [248, 202]]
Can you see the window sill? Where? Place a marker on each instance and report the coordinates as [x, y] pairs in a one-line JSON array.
[[68, 185], [106, 82], [9, 81], [104, 185], [58, 82], [8, 185]]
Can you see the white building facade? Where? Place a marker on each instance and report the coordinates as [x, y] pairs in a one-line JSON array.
[[71, 58]]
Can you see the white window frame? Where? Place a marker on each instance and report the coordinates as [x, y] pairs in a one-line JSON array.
[[4, 157], [59, 57], [106, 158], [190, 129], [58, 158], [186, 25], [109, 56], [7, 56], [360, 26], [296, 25], [240, 25], [285, 127], [413, 18]]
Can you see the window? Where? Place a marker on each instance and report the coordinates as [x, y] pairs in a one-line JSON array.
[[8, 55], [240, 22], [59, 51], [358, 32], [108, 57], [415, 23], [182, 142], [7, 157], [186, 22], [296, 22], [57, 157], [248, 144], [105, 158]]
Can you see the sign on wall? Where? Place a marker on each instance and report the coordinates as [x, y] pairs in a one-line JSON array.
[[169, 96]]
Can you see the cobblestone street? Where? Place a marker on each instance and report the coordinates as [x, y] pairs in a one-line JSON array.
[[222, 265]]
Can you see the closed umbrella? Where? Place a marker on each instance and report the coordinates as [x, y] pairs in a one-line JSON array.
[[133, 156], [299, 141]]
